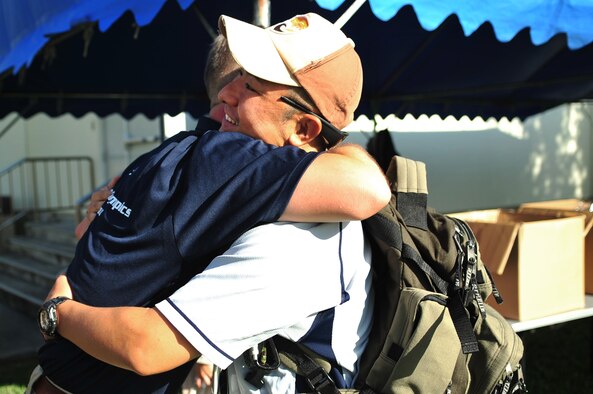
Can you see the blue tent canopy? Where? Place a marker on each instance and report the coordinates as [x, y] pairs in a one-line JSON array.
[[27, 25], [473, 57], [543, 18]]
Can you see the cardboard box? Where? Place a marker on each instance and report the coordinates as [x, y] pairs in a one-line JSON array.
[[536, 260], [571, 206]]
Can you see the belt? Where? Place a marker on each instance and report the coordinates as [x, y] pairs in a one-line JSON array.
[[44, 386]]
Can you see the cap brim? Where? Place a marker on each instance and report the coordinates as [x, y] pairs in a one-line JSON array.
[[254, 50]]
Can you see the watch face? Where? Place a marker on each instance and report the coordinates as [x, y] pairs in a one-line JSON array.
[[44, 322], [48, 316]]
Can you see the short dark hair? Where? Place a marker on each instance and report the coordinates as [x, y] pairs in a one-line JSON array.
[[219, 68], [300, 95]]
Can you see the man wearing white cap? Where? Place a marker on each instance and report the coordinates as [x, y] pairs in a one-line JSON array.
[[306, 282], [306, 52]]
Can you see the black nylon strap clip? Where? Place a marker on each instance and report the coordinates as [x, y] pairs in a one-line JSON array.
[[261, 360], [320, 382], [463, 326], [306, 367]]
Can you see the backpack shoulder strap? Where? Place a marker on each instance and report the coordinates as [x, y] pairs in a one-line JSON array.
[[304, 362], [410, 188]]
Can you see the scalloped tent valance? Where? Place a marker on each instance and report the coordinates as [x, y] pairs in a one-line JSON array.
[[543, 18]]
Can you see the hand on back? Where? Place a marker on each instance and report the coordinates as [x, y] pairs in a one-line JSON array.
[[97, 199]]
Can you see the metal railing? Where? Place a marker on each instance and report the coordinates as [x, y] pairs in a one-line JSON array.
[[45, 183]]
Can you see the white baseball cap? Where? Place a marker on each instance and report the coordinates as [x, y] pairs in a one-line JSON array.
[[307, 51]]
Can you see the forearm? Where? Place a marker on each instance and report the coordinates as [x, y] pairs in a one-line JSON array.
[[344, 183], [137, 339]]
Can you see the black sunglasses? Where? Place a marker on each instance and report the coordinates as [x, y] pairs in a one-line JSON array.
[[330, 133]]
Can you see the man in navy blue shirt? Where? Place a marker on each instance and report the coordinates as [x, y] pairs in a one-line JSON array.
[[177, 207], [219, 70]]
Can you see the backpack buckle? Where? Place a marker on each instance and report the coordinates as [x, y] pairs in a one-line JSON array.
[[320, 382], [260, 360]]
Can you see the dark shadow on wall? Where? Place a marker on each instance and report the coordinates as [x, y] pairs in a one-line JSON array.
[[382, 147]]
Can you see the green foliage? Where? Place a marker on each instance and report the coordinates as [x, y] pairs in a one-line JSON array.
[[12, 389], [14, 375]]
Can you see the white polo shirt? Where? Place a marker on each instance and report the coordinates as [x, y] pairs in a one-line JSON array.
[[304, 281]]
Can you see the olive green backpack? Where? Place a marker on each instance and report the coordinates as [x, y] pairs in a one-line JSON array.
[[432, 329]]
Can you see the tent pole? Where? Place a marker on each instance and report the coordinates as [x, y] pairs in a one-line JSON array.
[[9, 125], [18, 116], [211, 32], [261, 13], [348, 13]]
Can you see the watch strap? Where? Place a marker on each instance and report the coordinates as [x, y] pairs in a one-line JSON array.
[[49, 310]]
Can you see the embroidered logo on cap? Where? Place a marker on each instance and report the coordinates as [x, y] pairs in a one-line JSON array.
[[293, 25]]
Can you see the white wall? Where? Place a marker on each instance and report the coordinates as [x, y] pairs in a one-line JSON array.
[[13, 145], [111, 143], [125, 140], [471, 164], [12, 148], [502, 165], [64, 136]]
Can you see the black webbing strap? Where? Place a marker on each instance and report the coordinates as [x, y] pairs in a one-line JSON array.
[[463, 326], [495, 292], [411, 190], [410, 254], [381, 227], [412, 207], [315, 376]]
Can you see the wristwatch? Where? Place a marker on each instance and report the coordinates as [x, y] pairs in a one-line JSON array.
[[47, 318]]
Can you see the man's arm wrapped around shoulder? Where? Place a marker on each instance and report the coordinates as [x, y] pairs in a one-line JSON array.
[[344, 183]]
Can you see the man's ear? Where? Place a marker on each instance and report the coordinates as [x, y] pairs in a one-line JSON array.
[[307, 130]]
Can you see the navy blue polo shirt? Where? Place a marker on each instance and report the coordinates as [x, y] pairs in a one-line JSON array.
[[172, 211]]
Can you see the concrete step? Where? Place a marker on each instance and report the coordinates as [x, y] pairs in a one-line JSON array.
[[22, 295], [39, 249], [31, 256], [27, 269], [58, 231]]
